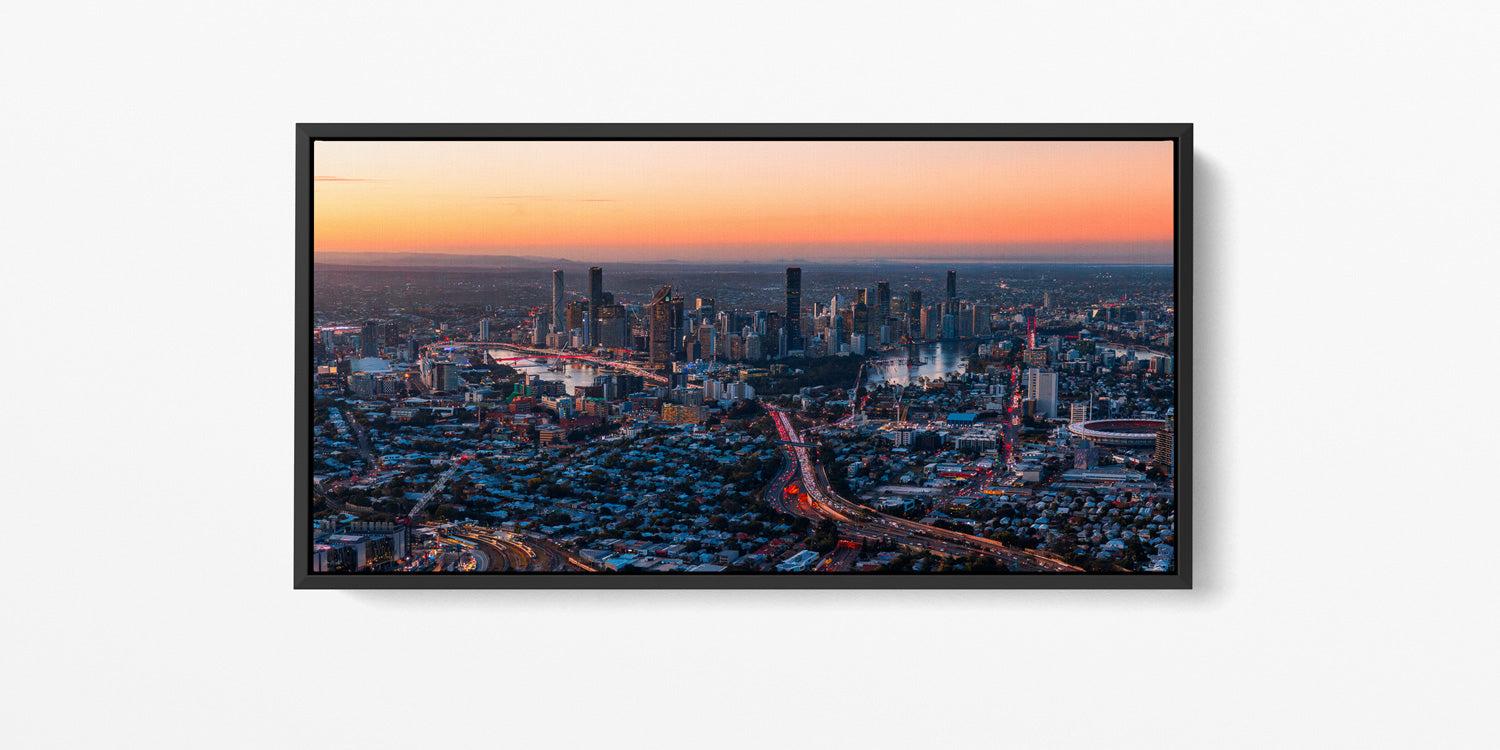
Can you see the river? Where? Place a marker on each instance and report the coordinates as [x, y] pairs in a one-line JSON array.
[[573, 374], [938, 359]]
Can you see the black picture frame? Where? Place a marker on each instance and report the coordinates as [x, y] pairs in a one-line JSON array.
[[1180, 134]]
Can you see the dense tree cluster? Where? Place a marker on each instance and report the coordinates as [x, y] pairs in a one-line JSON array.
[[831, 372]]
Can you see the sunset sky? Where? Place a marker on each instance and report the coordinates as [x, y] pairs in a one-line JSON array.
[[1099, 201]]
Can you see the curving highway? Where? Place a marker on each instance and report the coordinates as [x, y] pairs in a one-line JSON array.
[[510, 551], [814, 498]]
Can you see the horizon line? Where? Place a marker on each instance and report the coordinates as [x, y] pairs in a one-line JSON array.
[[774, 261]]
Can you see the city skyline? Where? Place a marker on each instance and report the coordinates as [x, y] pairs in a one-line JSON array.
[[743, 358], [1015, 423], [600, 201]]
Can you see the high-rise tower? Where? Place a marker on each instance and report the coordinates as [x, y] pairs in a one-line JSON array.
[[661, 329], [794, 308], [369, 339], [558, 308], [914, 315], [1041, 385], [596, 301]]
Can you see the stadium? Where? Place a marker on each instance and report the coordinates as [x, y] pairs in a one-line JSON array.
[[1135, 433]]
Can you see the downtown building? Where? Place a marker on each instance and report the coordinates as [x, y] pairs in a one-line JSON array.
[[575, 319], [914, 313], [361, 545], [558, 308], [708, 339], [794, 308], [539, 331], [614, 327], [1041, 388], [1165, 455], [370, 338], [1037, 357], [662, 348], [684, 413], [596, 301]]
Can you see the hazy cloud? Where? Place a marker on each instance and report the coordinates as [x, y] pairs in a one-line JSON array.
[[547, 198]]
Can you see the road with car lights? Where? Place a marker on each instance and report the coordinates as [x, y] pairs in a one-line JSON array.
[[803, 489]]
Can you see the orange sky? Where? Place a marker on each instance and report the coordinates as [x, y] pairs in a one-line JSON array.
[[616, 200]]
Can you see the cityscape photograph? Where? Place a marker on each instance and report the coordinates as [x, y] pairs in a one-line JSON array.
[[778, 358]]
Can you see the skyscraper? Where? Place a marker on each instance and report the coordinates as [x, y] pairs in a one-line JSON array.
[[661, 329], [794, 308], [596, 286], [679, 327], [882, 302], [981, 321], [539, 330], [952, 285], [1041, 385], [596, 301], [574, 317], [914, 314], [558, 321], [754, 350], [707, 337], [369, 339], [613, 326]]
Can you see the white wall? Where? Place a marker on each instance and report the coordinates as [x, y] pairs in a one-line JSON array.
[[1346, 234]]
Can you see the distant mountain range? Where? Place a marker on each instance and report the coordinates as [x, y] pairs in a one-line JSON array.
[[496, 262], [437, 260]]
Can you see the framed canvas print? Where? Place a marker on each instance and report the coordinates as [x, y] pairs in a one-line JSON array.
[[700, 356]]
